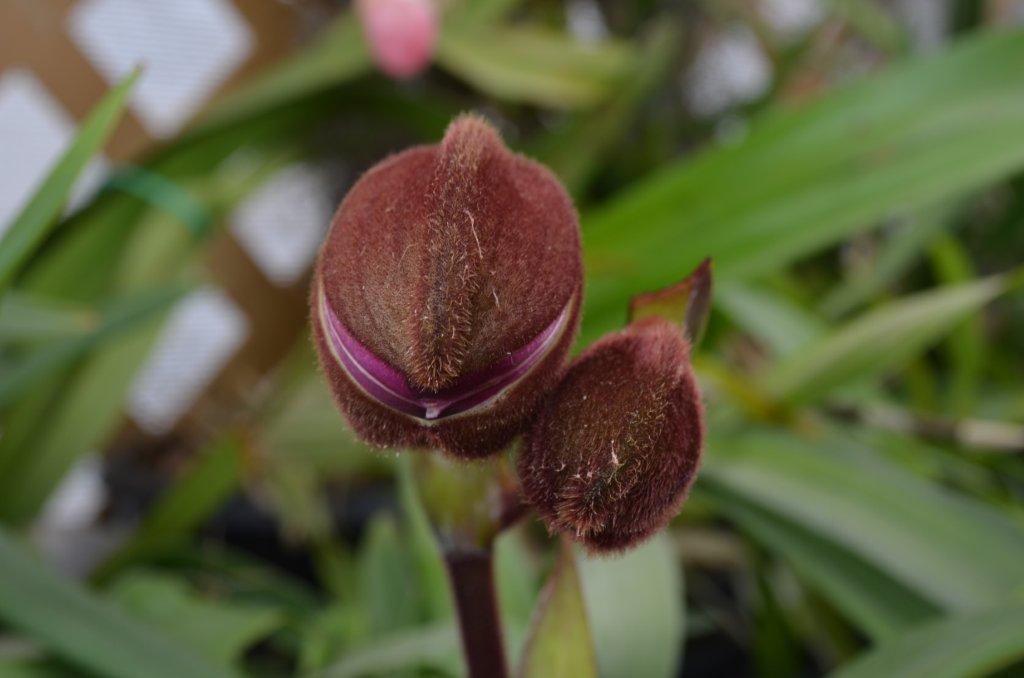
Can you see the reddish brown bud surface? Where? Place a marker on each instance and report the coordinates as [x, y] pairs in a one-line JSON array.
[[615, 449], [447, 294]]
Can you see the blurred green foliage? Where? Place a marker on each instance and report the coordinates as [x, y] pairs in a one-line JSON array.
[[860, 506]]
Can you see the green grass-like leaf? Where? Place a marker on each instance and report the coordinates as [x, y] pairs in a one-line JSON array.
[[953, 551], [431, 646], [878, 340], [37, 218], [874, 601], [636, 609], [338, 54], [90, 407], [575, 150], [86, 630], [29, 319], [805, 179], [220, 629], [51, 357], [978, 644], [185, 506], [559, 643], [532, 65]]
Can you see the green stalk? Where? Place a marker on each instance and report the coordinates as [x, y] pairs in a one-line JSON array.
[[468, 504]]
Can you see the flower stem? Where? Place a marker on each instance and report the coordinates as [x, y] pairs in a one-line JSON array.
[[472, 577]]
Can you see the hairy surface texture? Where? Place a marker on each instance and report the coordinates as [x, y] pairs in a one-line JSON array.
[[469, 435], [442, 261], [614, 451]]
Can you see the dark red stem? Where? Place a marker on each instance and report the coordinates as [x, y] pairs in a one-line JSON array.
[[472, 577]]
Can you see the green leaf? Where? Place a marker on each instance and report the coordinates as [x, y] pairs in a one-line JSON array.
[[805, 179], [305, 443], [516, 577], [876, 603], [221, 630], [90, 407], [783, 326], [559, 643], [37, 668], [978, 644], [965, 347], [90, 401], [306, 428], [897, 253], [31, 227], [122, 316], [473, 13], [185, 506], [774, 647], [636, 610], [20, 424], [575, 150], [434, 647], [388, 592], [84, 629], [878, 340], [337, 55], [29, 318], [247, 577], [951, 550], [533, 65], [874, 21], [423, 545], [108, 245], [326, 635]]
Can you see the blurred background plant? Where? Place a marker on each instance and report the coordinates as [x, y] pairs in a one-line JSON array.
[[178, 496]]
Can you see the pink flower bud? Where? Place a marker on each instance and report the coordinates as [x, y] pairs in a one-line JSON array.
[[615, 449], [401, 34], [447, 294]]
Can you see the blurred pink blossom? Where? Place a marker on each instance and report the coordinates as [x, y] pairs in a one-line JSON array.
[[401, 33]]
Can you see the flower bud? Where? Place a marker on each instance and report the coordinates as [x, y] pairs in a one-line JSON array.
[[615, 449], [401, 34], [447, 294]]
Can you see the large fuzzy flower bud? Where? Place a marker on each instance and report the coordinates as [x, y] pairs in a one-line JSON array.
[[617, 446], [447, 294]]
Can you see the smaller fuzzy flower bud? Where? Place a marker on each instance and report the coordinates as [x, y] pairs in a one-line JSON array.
[[402, 34], [617, 446]]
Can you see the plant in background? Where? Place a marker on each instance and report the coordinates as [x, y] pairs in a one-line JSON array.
[[859, 501], [446, 298], [401, 34]]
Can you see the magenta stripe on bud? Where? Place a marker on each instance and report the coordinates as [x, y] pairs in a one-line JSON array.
[[389, 387]]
